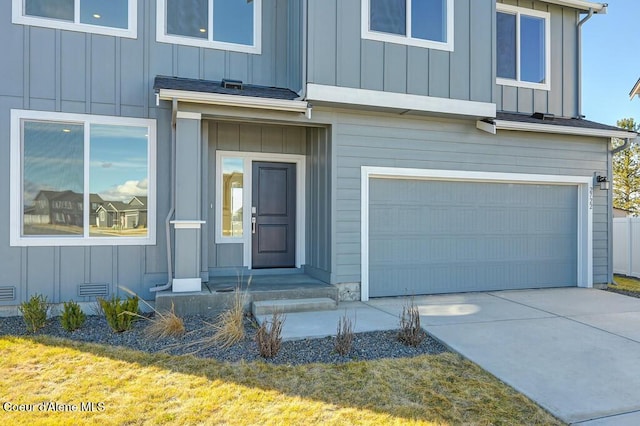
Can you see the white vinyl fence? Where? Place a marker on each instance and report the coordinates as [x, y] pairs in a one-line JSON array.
[[626, 246]]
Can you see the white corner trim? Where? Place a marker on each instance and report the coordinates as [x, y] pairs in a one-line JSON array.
[[234, 100], [189, 115], [402, 101], [562, 130], [188, 224], [183, 285], [584, 208]]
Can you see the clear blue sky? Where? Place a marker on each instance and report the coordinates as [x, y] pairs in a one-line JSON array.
[[611, 63]]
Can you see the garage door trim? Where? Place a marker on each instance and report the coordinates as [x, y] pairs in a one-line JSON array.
[[584, 207]]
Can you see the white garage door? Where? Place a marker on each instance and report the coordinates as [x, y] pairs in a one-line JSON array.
[[428, 237]]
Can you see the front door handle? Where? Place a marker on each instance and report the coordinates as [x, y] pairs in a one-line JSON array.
[[253, 225]]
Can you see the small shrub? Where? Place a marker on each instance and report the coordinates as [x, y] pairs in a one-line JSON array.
[[165, 325], [120, 314], [411, 334], [344, 335], [72, 316], [34, 312], [269, 336]]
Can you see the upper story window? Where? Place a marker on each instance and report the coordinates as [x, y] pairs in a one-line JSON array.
[[112, 17], [219, 24], [422, 23], [523, 49], [81, 180]]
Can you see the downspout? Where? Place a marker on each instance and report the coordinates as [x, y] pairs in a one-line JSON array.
[[302, 94], [303, 91], [625, 145], [172, 208], [580, 24], [614, 151]]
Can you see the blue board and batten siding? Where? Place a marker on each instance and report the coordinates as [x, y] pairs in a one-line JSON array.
[[57, 70], [391, 141], [338, 56]]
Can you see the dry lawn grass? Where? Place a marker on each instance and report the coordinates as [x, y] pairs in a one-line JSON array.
[[626, 284], [140, 388]]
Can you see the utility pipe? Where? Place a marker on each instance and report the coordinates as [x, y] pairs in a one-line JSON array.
[[172, 208], [580, 24]]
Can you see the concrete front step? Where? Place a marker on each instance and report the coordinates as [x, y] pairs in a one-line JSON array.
[[268, 307]]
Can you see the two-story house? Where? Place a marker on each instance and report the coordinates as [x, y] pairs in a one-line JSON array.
[[395, 146]]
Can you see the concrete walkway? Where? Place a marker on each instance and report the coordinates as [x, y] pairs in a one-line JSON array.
[[574, 351]]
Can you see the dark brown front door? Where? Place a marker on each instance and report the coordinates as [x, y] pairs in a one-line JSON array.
[[274, 213]]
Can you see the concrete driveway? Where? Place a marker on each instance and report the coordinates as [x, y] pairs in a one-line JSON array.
[[574, 351]]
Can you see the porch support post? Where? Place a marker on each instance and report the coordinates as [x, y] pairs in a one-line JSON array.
[[188, 175]]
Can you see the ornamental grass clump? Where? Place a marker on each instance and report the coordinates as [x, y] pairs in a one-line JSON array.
[[229, 326], [269, 336], [164, 324], [411, 333], [34, 312], [161, 324], [344, 335], [120, 314], [72, 316]]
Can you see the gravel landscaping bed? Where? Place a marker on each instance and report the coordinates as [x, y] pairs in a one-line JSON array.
[[366, 346], [625, 292]]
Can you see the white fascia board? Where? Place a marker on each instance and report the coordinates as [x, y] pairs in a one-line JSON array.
[[233, 100], [581, 5], [636, 90], [562, 130], [402, 101]]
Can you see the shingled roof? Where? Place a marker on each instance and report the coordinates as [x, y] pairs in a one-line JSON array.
[[208, 86], [556, 121]]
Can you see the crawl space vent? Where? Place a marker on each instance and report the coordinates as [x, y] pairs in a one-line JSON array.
[[7, 293], [93, 290]]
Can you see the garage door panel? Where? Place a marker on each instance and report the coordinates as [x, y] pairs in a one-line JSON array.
[[429, 237]]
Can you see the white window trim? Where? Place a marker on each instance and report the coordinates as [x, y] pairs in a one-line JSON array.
[[585, 208], [518, 11], [19, 17], [407, 40], [248, 158], [15, 192], [163, 37]]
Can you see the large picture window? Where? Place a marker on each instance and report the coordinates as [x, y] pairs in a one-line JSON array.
[[423, 23], [112, 17], [81, 180], [523, 49], [221, 24]]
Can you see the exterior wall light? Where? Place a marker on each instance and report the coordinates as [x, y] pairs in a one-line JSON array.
[[605, 185]]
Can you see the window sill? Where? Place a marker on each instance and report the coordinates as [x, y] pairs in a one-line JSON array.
[[132, 32], [188, 41], [523, 84], [407, 41]]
